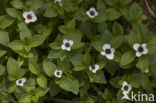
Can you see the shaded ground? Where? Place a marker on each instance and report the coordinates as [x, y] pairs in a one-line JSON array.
[[149, 9]]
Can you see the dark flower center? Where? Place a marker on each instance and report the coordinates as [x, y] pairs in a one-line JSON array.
[[67, 45], [20, 81], [108, 51], [140, 49], [29, 16], [58, 73], [92, 13], [93, 67], [126, 88]]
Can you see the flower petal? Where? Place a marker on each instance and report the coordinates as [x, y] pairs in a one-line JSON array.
[[96, 13], [96, 67], [25, 14], [103, 53], [63, 47], [124, 83], [112, 50], [136, 46], [129, 87], [145, 51], [144, 45], [65, 41], [106, 46], [110, 56], [71, 42], [68, 48], [34, 18], [138, 54], [92, 9], [27, 21]]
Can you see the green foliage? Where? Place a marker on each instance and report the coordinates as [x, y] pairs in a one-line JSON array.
[[64, 37]]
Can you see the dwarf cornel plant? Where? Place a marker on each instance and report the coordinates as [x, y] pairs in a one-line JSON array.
[[74, 51]]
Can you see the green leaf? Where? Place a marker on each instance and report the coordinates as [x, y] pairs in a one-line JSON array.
[[2, 53], [99, 77], [15, 13], [151, 47], [142, 80], [76, 60], [53, 89], [117, 29], [101, 5], [42, 81], [127, 58], [62, 55], [4, 38], [133, 38], [12, 66], [135, 12], [143, 63], [101, 17], [5, 21], [49, 68], [2, 70], [98, 45], [112, 14], [54, 54], [16, 45], [24, 31], [124, 2], [37, 40], [87, 58], [34, 68], [50, 12], [77, 45], [70, 84], [115, 81], [79, 68], [55, 46], [117, 41], [17, 4], [112, 2]]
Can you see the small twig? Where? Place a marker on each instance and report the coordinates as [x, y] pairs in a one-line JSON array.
[[149, 9]]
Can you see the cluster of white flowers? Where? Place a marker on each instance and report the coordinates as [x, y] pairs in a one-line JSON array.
[[108, 51], [94, 68], [20, 82]]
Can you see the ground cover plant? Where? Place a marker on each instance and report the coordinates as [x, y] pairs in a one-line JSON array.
[[76, 51]]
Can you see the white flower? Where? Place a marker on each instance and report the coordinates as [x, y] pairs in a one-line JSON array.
[[126, 88], [29, 16], [58, 73], [140, 49], [94, 68], [67, 44], [92, 12], [108, 51], [20, 82], [58, 2]]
